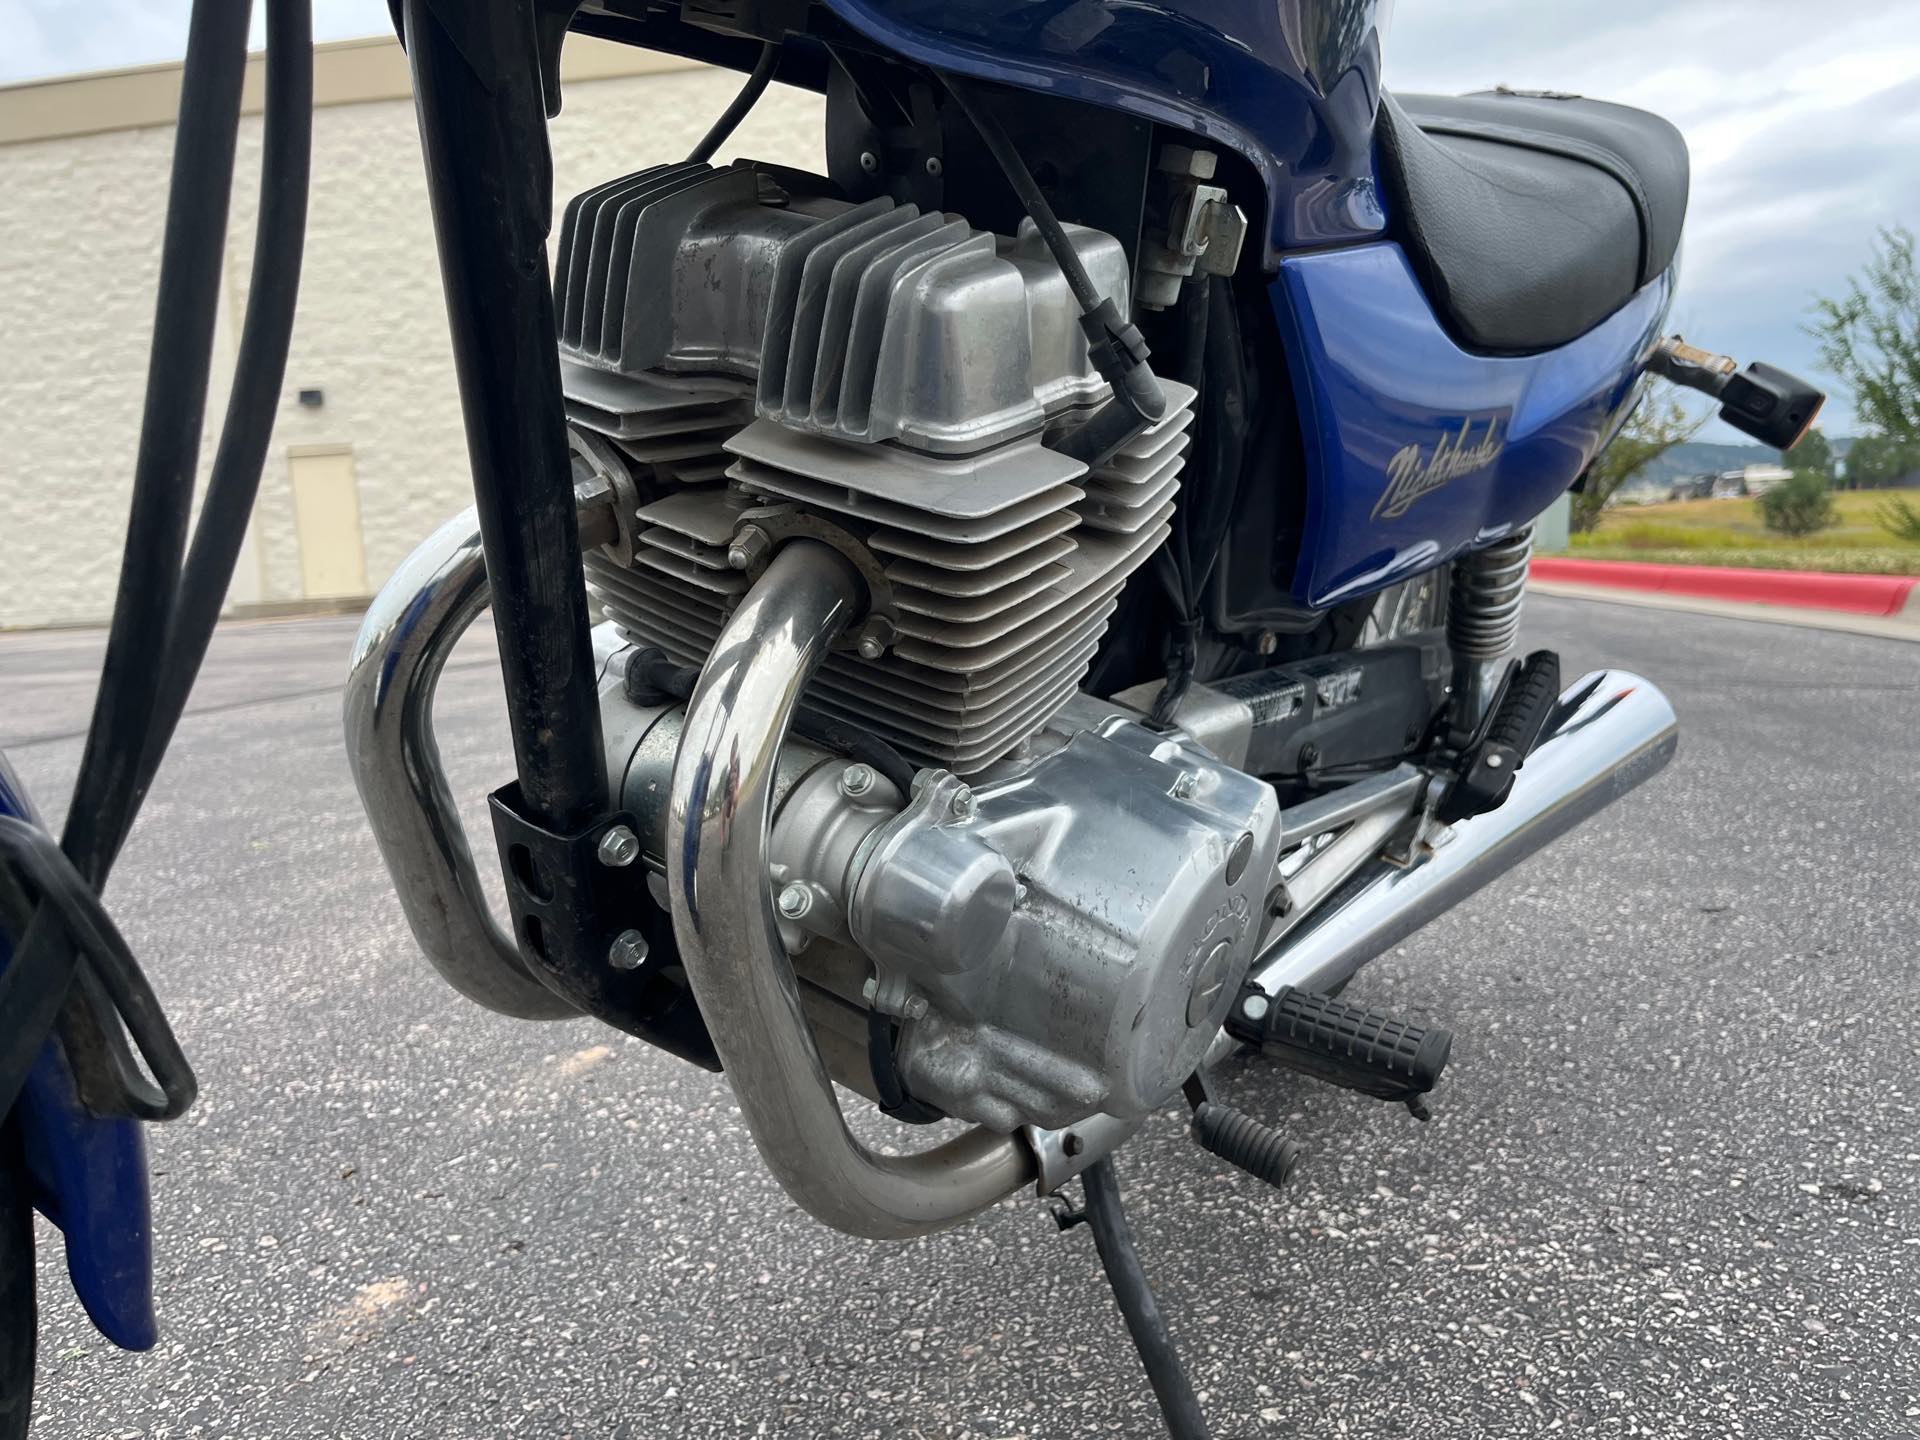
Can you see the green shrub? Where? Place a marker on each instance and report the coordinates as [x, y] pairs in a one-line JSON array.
[[1899, 519], [1800, 505]]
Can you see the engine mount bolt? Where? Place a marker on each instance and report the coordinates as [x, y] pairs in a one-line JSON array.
[[795, 900], [629, 950], [1266, 643], [1254, 1007], [871, 647], [916, 1007], [869, 162], [856, 780], [962, 803], [619, 847], [749, 547]]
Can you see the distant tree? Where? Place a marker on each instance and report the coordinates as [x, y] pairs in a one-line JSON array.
[[1800, 505], [1870, 337], [1658, 424], [1877, 461], [1812, 453]]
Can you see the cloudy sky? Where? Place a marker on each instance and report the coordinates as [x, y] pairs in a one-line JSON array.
[[1804, 120]]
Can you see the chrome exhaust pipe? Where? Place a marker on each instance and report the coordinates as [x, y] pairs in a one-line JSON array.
[[723, 917], [403, 644], [1611, 732]]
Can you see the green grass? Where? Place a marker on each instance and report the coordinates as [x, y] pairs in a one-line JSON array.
[[1730, 532]]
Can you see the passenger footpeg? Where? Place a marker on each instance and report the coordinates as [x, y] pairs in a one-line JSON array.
[[1345, 1045], [1490, 762]]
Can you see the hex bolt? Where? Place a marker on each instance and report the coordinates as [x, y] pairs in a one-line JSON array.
[[749, 547], [871, 647], [1184, 784], [1266, 643], [795, 901], [962, 803], [869, 162], [856, 780], [1309, 755], [629, 950], [916, 1007], [619, 847], [870, 991], [1254, 1007]]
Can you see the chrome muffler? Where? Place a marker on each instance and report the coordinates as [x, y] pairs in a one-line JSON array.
[[1611, 731]]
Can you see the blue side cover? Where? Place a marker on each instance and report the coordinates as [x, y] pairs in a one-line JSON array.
[[1416, 449], [89, 1175]]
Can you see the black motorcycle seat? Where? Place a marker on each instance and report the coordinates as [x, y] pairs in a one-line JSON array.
[[1530, 218]]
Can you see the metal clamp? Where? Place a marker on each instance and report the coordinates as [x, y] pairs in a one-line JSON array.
[[724, 919]]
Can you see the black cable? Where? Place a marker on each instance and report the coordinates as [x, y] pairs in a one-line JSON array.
[[108, 789], [67, 902], [1116, 347], [749, 95], [1107, 1218], [260, 367]]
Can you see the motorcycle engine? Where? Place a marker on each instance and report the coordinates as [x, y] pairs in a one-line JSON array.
[[1055, 917]]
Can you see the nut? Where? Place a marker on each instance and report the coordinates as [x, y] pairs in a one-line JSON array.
[[629, 950], [795, 900], [619, 847], [750, 546]]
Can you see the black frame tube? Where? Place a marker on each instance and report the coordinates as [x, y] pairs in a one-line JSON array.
[[478, 96]]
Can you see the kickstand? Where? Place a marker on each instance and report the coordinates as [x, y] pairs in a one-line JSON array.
[[1107, 1218]]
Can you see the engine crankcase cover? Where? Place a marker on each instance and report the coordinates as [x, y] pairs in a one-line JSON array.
[[1078, 930]]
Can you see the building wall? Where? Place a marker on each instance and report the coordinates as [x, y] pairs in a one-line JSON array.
[[80, 221]]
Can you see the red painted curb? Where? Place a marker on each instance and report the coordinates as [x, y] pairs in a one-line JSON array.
[[1808, 589]]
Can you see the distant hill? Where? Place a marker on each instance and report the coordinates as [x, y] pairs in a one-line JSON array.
[[1700, 457]]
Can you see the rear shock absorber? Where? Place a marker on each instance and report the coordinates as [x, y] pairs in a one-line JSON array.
[[1483, 621]]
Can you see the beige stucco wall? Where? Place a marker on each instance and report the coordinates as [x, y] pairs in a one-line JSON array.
[[80, 219]]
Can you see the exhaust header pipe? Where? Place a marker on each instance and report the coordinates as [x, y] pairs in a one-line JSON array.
[[723, 918], [1610, 732]]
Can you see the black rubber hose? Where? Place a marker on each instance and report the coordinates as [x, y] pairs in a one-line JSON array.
[[748, 97], [134, 672], [178, 365], [1112, 1236], [259, 368]]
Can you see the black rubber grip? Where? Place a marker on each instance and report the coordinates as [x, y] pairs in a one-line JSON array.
[[1346, 1045], [1241, 1140], [1527, 703]]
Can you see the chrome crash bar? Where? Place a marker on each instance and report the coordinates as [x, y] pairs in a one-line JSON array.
[[723, 918], [409, 630]]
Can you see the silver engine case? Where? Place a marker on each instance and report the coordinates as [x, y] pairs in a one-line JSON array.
[[1078, 930]]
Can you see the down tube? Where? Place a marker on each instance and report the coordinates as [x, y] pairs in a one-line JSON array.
[[1376, 377]]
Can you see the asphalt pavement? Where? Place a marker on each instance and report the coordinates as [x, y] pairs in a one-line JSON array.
[[1672, 1187]]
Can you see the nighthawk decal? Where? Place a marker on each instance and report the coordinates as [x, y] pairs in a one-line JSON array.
[[1414, 472]]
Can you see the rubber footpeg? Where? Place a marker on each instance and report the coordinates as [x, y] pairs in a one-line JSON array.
[[1241, 1140], [1491, 762], [1345, 1045]]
